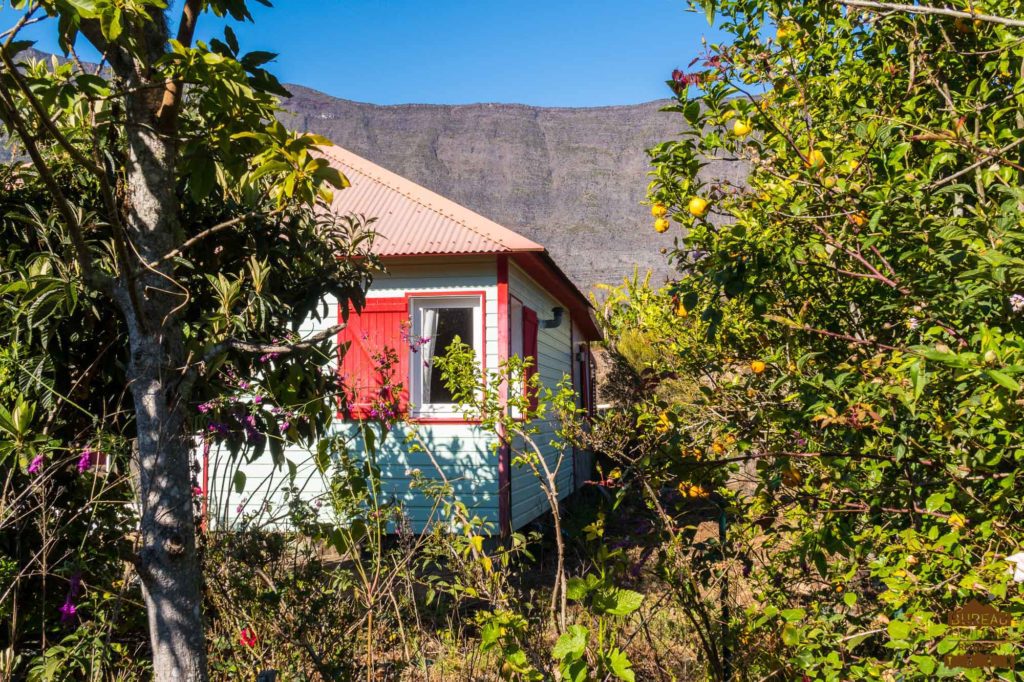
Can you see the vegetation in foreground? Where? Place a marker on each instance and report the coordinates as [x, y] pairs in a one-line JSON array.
[[814, 455]]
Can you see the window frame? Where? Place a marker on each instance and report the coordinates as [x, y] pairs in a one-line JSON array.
[[417, 301]]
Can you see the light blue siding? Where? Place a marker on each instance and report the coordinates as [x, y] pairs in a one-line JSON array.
[[465, 454], [554, 348]]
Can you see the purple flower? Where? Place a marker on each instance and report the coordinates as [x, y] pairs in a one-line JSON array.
[[217, 427], [913, 323], [36, 465], [67, 612], [257, 399], [204, 408], [239, 509], [86, 460], [284, 426], [1017, 303]]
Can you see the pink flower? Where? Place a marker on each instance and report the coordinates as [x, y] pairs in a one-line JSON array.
[[197, 491], [284, 426], [87, 459], [67, 612], [36, 465]]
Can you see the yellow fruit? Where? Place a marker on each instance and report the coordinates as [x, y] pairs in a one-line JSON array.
[[859, 219], [717, 448], [815, 159], [697, 207], [829, 182], [757, 366], [839, 589], [659, 211], [661, 225], [854, 165], [741, 128], [681, 310], [696, 491]]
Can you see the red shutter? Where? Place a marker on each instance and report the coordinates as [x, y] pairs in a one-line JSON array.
[[530, 326], [378, 326]]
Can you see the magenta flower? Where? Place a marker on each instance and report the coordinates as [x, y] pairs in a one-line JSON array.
[[87, 459], [67, 611], [36, 465], [284, 426]]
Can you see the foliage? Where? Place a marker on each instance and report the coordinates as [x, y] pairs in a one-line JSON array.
[[163, 239], [856, 350]]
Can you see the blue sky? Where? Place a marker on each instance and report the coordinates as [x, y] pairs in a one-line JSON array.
[[540, 52]]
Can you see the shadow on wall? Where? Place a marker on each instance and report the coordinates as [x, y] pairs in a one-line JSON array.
[[257, 493]]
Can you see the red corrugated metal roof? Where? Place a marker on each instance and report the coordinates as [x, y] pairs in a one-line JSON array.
[[413, 221]]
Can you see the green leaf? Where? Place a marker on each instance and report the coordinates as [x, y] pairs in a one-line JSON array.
[[898, 629], [620, 665], [577, 588], [1003, 379], [625, 602], [572, 643], [935, 502]]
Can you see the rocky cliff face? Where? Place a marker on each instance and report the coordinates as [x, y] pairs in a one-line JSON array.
[[570, 179]]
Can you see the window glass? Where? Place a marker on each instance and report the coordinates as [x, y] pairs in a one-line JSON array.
[[442, 326]]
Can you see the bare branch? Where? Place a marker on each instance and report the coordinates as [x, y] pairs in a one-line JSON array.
[[192, 241], [168, 111], [255, 347], [925, 9], [996, 154]]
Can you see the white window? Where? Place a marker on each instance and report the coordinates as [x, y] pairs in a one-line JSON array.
[[436, 323]]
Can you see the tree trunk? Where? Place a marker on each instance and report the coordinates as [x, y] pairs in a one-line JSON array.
[[167, 562]]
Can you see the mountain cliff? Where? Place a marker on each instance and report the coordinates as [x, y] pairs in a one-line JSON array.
[[570, 179]]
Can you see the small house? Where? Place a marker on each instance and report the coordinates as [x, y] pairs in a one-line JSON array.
[[450, 273]]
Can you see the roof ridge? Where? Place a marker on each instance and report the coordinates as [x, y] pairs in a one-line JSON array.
[[383, 180]]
